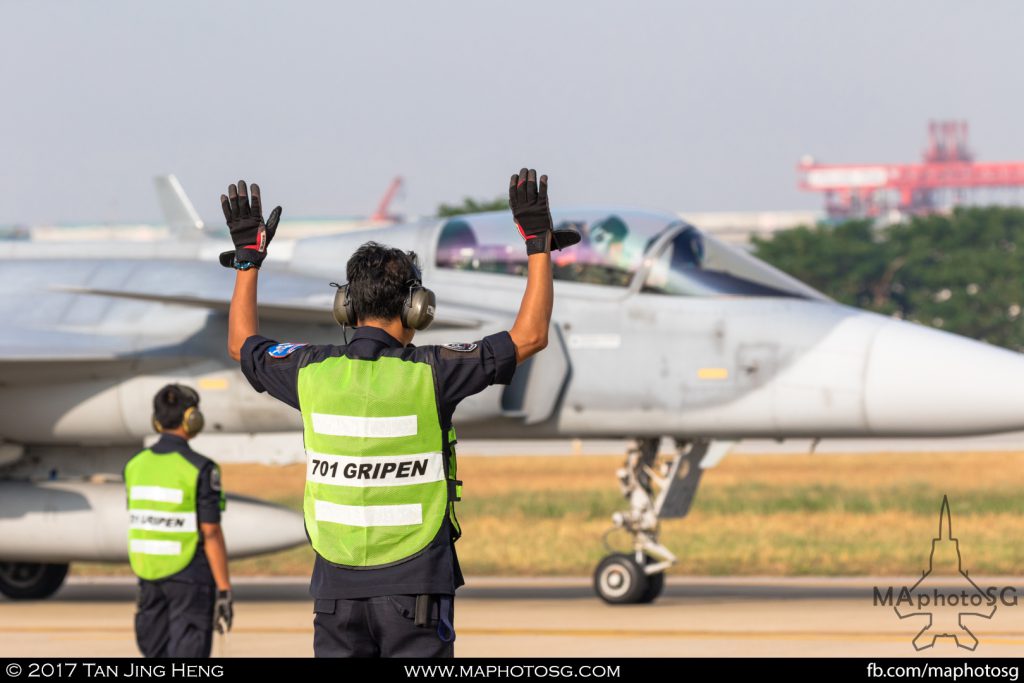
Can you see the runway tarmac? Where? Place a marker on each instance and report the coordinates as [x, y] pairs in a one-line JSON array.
[[92, 617]]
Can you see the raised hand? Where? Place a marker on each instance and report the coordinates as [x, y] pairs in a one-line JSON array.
[[528, 200], [529, 204], [249, 232]]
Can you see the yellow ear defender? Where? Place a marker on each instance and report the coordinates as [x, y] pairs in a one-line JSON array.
[[192, 421]]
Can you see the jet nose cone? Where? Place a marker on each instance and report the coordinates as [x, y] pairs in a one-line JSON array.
[[923, 381], [253, 527]]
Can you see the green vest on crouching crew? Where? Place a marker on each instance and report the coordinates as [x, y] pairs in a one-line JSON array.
[[378, 487], [162, 533]]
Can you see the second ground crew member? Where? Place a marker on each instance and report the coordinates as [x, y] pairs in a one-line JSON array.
[[175, 543], [377, 414]]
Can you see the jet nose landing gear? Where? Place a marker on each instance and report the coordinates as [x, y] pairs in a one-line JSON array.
[[621, 580], [655, 492]]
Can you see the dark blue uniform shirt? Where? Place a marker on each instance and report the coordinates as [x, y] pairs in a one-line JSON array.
[[461, 370]]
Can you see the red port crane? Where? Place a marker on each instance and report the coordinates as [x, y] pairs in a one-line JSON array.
[[868, 190]]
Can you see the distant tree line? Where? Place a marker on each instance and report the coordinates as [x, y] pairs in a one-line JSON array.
[[470, 205], [959, 272]]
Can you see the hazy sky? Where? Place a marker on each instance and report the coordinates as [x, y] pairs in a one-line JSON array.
[[675, 105]]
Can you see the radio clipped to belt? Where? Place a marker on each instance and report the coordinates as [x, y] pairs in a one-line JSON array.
[[424, 606]]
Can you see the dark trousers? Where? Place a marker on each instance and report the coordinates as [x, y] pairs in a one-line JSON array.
[[174, 618], [382, 626]]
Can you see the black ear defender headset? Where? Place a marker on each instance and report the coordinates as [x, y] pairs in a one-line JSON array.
[[192, 420], [417, 311]]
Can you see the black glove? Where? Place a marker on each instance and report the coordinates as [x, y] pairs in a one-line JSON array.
[[224, 608], [248, 231], [529, 204], [530, 209]]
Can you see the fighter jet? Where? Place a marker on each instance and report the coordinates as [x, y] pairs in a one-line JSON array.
[[183, 220], [658, 331]]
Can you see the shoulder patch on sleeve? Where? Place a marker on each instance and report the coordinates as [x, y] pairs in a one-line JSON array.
[[215, 478], [283, 350], [463, 347]]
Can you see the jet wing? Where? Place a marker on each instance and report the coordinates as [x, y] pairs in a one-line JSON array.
[[38, 356], [26, 346], [36, 353], [285, 298], [294, 311]]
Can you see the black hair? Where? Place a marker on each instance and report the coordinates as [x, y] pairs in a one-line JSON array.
[[171, 402], [379, 278]]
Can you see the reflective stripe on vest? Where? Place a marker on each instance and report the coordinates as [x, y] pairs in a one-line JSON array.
[[376, 477], [162, 523], [143, 547], [158, 520], [375, 470], [160, 493]]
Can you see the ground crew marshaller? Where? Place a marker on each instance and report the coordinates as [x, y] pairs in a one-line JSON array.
[[377, 416], [175, 543]]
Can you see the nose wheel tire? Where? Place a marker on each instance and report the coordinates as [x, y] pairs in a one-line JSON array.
[[619, 580], [30, 580], [655, 584]]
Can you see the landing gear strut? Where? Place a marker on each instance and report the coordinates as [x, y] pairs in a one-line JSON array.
[[655, 491], [31, 580]]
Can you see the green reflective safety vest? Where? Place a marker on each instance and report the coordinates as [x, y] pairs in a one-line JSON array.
[[378, 484], [163, 531]]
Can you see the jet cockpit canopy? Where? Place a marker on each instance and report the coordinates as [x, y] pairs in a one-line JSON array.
[[654, 252]]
